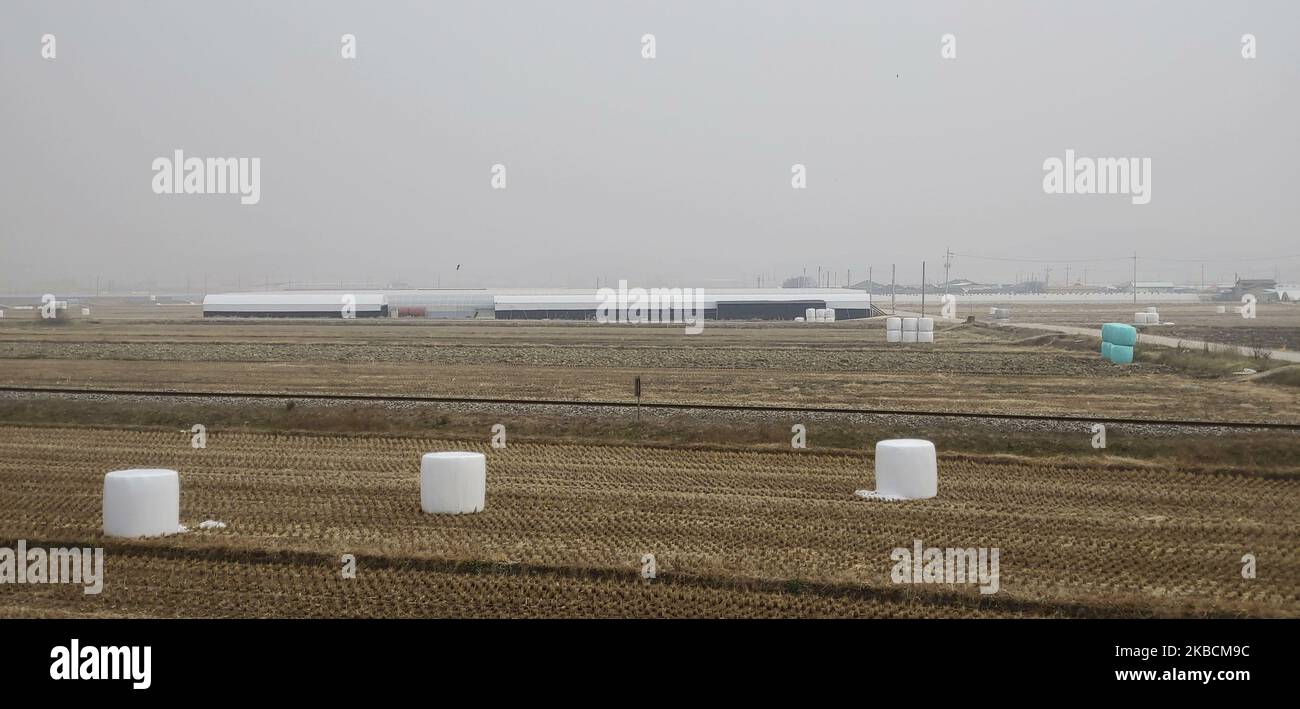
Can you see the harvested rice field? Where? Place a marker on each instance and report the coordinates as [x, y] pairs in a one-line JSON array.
[[739, 523], [972, 368], [735, 533]]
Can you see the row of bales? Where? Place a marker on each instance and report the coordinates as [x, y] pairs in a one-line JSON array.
[[1150, 316], [817, 315], [146, 502], [909, 330]]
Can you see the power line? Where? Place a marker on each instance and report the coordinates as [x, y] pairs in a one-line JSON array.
[[1231, 259], [1219, 260], [1055, 260]]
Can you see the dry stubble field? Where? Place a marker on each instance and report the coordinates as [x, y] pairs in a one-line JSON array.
[[737, 531], [971, 368]]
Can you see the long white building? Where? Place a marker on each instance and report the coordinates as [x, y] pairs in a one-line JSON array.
[[321, 304]]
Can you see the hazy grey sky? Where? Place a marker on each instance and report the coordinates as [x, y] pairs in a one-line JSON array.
[[671, 170]]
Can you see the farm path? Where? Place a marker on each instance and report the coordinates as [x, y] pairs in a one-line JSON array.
[[1163, 341]]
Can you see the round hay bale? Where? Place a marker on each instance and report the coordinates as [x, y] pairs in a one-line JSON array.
[[142, 502], [453, 482], [906, 469]]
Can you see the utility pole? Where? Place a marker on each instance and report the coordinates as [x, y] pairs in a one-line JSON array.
[[947, 262], [1067, 275], [869, 289], [1047, 277], [893, 288], [922, 289], [1135, 277]]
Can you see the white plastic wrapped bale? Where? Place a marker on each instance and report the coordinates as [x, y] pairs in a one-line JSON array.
[[906, 469], [821, 315], [810, 314], [142, 502], [893, 335], [925, 336], [909, 335], [993, 311], [925, 324], [798, 318], [830, 315], [909, 324], [894, 324], [453, 482], [1222, 309], [1139, 318]]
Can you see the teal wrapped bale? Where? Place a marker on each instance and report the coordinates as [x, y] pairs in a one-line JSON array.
[[1121, 354], [1119, 334], [1105, 349]]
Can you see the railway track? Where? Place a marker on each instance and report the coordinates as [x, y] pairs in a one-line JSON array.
[[654, 406]]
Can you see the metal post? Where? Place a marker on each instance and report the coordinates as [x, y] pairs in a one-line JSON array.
[[947, 263], [922, 289], [1135, 278]]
